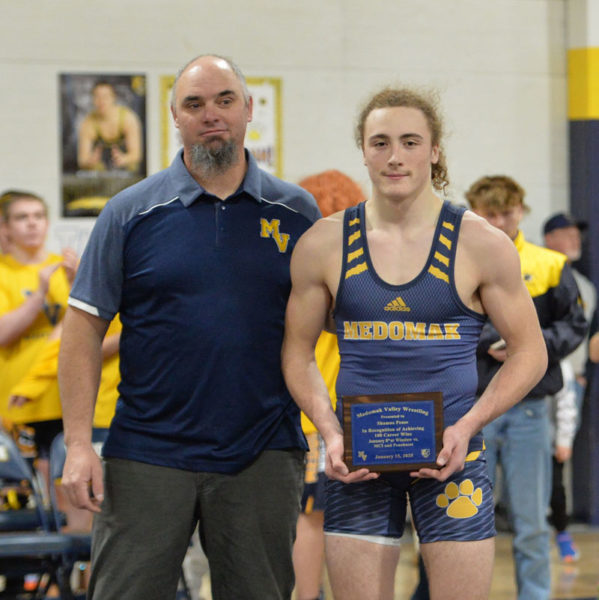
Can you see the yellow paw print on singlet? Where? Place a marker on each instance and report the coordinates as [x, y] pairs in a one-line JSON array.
[[461, 502]]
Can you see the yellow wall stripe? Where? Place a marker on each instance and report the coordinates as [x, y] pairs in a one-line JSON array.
[[583, 83]]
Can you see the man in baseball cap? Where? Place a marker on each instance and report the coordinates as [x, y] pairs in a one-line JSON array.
[[562, 233]]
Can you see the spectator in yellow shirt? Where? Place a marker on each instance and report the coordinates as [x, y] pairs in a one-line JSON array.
[[42, 376], [34, 287]]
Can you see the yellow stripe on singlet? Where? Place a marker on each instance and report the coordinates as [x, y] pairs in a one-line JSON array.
[[475, 454], [356, 270], [438, 273], [442, 259], [445, 241], [353, 255], [448, 225], [353, 237]]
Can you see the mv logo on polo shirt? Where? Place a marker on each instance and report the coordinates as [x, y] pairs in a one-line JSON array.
[[270, 229]]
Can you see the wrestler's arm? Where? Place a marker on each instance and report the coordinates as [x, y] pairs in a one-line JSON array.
[[87, 156], [132, 132], [307, 310], [504, 297]]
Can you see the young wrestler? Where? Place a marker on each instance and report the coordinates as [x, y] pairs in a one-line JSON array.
[[409, 280]]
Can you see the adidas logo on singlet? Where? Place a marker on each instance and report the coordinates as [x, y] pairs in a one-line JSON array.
[[398, 304]]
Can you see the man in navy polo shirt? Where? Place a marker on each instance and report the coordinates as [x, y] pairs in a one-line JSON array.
[[196, 260]]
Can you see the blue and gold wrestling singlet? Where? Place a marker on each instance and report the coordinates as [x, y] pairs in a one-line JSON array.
[[414, 337]]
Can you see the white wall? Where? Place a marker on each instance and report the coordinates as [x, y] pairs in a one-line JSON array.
[[583, 23], [500, 66]]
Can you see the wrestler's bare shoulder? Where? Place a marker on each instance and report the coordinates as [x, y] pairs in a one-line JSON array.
[[483, 242], [332, 221], [323, 235]]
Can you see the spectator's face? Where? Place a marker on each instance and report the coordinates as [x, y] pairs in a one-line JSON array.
[[4, 242], [398, 151], [566, 240], [26, 225], [507, 218], [209, 108]]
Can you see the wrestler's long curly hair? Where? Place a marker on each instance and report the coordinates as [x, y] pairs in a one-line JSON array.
[[427, 103]]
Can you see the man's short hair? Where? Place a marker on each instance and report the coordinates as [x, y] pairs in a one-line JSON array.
[[496, 192], [425, 102], [9, 197], [238, 73]]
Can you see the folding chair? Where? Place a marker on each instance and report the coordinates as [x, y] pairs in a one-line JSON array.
[[26, 518], [43, 551], [81, 543]]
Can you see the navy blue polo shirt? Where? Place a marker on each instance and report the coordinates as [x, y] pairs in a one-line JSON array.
[[201, 286]]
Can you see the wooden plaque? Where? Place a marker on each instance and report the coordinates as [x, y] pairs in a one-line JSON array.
[[393, 432]]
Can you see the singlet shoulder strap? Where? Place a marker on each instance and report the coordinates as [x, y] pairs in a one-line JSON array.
[[354, 257], [445, 243], [122, 115]]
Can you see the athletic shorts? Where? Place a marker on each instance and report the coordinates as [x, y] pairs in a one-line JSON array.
[[44, 434], [313, 497], [315, 479], [459, 509]]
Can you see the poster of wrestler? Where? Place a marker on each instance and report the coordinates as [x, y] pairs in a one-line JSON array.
[[263, 135], [103, 125]]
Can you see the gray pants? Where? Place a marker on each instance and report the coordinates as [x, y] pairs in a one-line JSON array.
[[247, 526]]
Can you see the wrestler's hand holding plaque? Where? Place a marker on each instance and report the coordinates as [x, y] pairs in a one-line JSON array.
[[392, 432]]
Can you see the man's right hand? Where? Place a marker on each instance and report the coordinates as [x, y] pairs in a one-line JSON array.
[[82, 477], [70, 263], [44, 277]]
